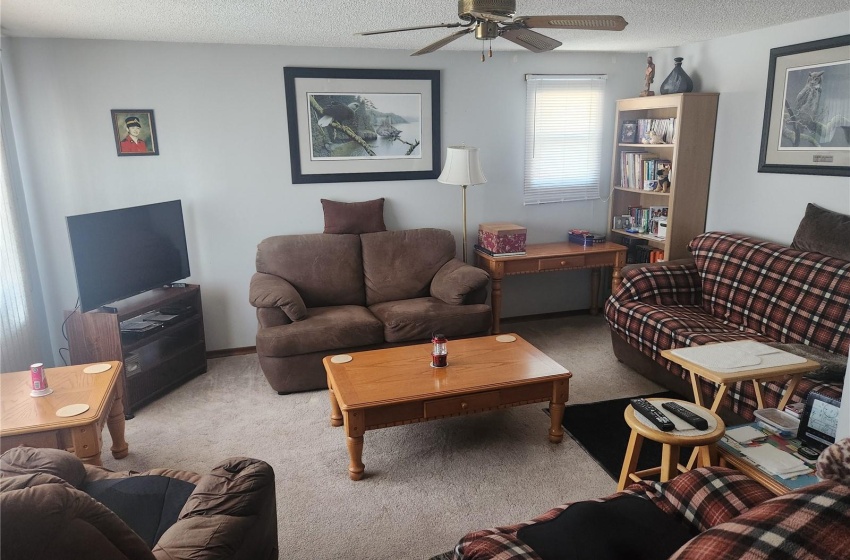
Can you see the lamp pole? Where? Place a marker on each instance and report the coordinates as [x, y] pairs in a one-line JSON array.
[[463, 188]]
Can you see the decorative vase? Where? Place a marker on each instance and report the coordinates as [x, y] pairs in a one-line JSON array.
[[678, 81]]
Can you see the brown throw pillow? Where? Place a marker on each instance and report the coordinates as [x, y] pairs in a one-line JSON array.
[[825, 232], [354, 217]]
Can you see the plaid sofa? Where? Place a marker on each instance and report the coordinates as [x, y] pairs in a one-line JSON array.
[[736, 288], [731, 516]]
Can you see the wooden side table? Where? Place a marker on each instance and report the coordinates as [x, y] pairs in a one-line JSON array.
[[794, 372], [549, 257], [671, 444], [32, 421]]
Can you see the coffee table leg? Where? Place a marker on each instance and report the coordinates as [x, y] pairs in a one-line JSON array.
[[336, 413], [115, 423], [354, 429], [556, 411], [87, 444]]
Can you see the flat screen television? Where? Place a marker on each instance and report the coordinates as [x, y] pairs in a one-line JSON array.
[[121, 253]]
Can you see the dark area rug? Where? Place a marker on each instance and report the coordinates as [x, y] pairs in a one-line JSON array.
[[601, 430]]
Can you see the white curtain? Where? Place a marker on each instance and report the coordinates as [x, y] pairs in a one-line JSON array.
[[19, 334]]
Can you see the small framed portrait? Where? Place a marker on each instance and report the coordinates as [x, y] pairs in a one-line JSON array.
[[135, 132], [628, 132]]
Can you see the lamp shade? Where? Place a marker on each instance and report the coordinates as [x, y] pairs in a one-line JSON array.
[[462, 167]]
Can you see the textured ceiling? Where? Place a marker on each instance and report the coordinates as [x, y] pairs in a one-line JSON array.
[[332, 23]]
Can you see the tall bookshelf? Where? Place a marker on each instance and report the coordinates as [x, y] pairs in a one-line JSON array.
[[690, 155]]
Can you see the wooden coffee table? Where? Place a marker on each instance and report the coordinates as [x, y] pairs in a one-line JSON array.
[[396, 386], [32, 421]]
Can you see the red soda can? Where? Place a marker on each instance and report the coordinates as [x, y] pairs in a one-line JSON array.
[[39, 378]]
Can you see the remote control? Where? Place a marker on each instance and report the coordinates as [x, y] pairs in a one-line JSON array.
[[691, 418], [653, 414]]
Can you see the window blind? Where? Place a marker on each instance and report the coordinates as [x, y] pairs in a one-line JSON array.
[[563, 137]]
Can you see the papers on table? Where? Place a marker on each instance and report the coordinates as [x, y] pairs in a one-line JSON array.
[[745, 434], [776, 461]]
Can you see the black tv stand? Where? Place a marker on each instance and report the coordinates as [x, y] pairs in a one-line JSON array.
[[155, 360]]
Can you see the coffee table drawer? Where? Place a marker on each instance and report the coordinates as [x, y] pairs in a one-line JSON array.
[[458, 405]]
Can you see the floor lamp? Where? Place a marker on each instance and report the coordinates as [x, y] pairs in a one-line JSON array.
[[462, 168]]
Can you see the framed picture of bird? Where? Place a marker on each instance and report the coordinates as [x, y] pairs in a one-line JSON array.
[[354, 125], [806, 127]]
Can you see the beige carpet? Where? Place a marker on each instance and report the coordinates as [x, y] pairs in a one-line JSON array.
[[428, 484]]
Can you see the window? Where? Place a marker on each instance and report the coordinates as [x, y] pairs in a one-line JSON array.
[[563, 138]]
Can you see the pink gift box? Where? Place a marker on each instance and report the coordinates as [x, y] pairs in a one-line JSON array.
[[502, 237]]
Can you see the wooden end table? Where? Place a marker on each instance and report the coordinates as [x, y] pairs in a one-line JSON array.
[[32, 421], [550, 257], [396, 386], [794, 372]]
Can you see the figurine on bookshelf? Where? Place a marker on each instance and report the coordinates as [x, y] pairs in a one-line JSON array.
[[649, 77], [663, 175]]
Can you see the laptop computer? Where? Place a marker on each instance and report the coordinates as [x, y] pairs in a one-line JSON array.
[[819, 422]]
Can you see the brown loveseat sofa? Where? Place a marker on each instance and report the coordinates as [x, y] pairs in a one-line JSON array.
[[321, 294], [54, 506]]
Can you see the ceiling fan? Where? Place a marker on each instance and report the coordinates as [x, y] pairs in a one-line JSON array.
[[490, 19]]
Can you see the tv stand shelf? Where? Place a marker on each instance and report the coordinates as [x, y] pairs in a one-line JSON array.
[[155, 361]]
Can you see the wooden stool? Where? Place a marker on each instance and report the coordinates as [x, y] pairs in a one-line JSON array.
[[671, 443]]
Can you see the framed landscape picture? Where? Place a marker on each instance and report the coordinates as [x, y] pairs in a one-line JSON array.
[[135, 132], [807, 109], [348, 124]]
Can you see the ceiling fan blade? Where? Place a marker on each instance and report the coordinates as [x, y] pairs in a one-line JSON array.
[[442, 42], [533, 41], [436, 25], [598, 23]]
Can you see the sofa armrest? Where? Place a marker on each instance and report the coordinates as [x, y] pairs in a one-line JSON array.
[[268, 290], [662, 283], [51, 519], [231, 513], [456, 280]]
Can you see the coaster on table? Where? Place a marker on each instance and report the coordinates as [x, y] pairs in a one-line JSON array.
[[72, 410], [505, 338], [341, 359], [41, 392], [97, 368]]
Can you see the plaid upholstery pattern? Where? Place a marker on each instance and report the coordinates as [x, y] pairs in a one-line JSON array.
[[811, 523], [774, 294], [785, 294], [700, 499]]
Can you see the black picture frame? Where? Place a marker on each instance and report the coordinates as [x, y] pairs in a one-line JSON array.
[[310, 163], [799, 135], [628, 132], [124, 144]]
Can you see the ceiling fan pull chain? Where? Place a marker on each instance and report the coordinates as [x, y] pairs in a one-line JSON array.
[[491, 48], [482, 53]]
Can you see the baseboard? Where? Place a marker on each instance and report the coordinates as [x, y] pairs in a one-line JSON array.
[[555, 315], [231, 352]]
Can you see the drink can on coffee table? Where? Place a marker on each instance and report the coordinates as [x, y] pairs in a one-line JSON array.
[[38, 377]]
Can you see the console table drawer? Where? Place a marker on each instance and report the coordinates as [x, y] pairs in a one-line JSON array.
[[457, 405], [562, 262]]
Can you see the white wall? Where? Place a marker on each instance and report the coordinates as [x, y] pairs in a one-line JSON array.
[[221, 122], [765, 205]]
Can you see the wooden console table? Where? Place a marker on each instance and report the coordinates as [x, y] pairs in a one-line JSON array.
[[548, 257]]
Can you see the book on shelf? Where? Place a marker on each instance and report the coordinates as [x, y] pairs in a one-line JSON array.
[[492, 254], [665, 128]]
